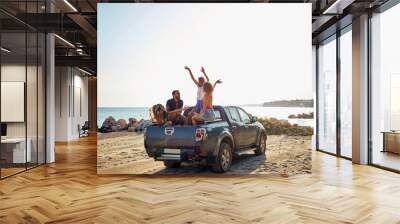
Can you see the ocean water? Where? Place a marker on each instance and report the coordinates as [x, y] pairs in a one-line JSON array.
[[143, 113], [282, 113]]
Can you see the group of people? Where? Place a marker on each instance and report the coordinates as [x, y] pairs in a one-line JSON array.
[[171, 114]]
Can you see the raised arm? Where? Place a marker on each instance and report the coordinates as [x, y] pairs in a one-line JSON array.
[[205, 74], [191, 76], [219, 81]]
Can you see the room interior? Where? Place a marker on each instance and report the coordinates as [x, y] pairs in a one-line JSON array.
[[50, 79]]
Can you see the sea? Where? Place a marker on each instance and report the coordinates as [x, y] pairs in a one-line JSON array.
[[143, 113]]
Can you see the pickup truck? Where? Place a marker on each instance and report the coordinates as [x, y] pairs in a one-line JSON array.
[[214, 143]]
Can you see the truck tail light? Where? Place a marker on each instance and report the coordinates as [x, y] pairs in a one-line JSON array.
[[200, 134]]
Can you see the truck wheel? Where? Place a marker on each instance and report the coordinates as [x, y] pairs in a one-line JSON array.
[[172, 164], [262, 145], [224, 159]]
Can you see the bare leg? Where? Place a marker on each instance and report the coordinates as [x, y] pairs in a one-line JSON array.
[[194, 115], [197, 119], [171, 117], [189, 118]]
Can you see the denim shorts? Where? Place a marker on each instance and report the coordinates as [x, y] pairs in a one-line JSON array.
[[199, 103], [208, 115]]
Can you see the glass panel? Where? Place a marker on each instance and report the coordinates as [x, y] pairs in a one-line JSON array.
[[234, 114], [41, 98], [14, 5], [385, 87], [346, 94], [217, 114], [327, 96], [314, 79], [31, 98], [23, 90], [394, 102], [13, 79], [245, 118], [31, 86]]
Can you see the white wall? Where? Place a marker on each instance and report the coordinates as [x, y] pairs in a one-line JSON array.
[[33, 126], [62, 82], [70, 84], [12, 73]]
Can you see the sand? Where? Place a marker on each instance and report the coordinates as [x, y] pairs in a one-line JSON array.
[[124, 153]]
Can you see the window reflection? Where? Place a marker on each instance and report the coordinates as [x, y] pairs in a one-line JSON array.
[[327, 96], [346, 94], [385, 89], [22, 91]]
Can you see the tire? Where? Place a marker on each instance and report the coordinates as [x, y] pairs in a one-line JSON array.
[[223, 161], [172, 164], [262, 145]]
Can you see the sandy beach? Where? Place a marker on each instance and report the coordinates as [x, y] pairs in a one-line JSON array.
[[124, 153]]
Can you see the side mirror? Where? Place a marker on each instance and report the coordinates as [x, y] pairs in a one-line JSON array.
[[253, 119]]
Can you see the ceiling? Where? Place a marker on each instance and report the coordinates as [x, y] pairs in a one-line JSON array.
[[75, 21]]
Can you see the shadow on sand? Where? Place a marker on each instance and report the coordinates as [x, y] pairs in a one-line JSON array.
[[241, 165]]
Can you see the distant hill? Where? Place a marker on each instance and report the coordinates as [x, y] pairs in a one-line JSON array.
[[289, 103], [251, 105]]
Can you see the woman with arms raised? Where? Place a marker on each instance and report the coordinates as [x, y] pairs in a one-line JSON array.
[[207, 111]]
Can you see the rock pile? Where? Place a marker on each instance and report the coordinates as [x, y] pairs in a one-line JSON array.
[[133, 125]]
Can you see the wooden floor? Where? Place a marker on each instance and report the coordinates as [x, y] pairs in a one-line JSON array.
[[386, 159], [69, 191]]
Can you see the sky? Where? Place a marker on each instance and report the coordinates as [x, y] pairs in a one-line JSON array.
[[262, 52]]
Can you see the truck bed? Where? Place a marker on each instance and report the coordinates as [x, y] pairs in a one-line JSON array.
[[176, 136]]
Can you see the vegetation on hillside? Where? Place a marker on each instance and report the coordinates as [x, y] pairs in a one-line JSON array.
[[303, 116], [289, 103], [274, 126]]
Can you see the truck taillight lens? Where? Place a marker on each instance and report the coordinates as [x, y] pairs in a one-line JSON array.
[[200, 134]]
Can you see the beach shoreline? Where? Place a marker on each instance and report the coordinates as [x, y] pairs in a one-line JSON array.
[[124, 153]]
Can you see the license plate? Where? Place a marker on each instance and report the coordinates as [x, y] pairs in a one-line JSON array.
[[172, 151]]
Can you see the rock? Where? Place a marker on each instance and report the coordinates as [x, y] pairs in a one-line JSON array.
[[138, 125], [107, 125], [111, 125], [140, 122], [114, 128], [132, 122], [109, 121], [143, 124], [122, 124]]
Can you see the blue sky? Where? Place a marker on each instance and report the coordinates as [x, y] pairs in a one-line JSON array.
[[262, 52]]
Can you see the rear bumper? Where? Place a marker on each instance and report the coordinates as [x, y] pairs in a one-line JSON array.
[[185, 154], [182, 155]]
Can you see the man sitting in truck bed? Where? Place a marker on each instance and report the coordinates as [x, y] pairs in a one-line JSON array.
[[174, 108]]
